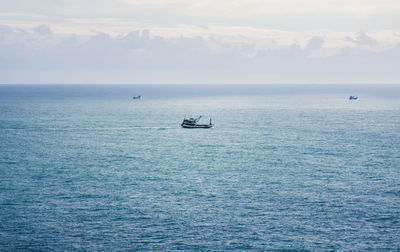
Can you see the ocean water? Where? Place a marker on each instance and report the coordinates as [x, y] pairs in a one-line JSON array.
[[286, 167]]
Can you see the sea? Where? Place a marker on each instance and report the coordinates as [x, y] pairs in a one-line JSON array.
[[285, 168]]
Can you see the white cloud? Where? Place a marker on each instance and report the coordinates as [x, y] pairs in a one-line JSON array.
[[334, 15], [142, 57], [262, 38], [201, 41], [360, 8]]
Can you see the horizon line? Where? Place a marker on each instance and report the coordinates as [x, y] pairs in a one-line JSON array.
[[217, 83]]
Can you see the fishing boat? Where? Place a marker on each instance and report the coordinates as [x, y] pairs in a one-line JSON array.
[[138, 97], [195, 123], [353, 97]]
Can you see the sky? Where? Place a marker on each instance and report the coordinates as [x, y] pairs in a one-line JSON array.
[[207, 41]]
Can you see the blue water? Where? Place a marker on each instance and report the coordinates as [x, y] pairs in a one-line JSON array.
[[292, 167]]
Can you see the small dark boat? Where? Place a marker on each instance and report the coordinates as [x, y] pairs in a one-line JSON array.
[[138, 97], [194, 123], [353, 97]]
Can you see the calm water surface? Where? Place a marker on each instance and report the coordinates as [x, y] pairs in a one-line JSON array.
[[285, 167]]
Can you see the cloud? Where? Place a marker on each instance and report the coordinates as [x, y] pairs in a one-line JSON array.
[[315, 43], [199, 41], [362, 39], [142, 57], [43, 30], [331, 15], [270, 7]]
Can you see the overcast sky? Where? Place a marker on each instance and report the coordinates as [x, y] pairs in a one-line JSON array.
[[207, 41]]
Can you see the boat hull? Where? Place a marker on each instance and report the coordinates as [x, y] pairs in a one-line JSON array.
[[200, 126]]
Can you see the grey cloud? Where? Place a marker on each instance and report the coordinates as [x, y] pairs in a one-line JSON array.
[[362, 39], [315, 43], [43, 30], [140, 58]]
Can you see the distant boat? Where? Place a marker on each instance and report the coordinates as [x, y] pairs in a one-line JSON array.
[[138, 97], [194, 123], [353, 97]]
